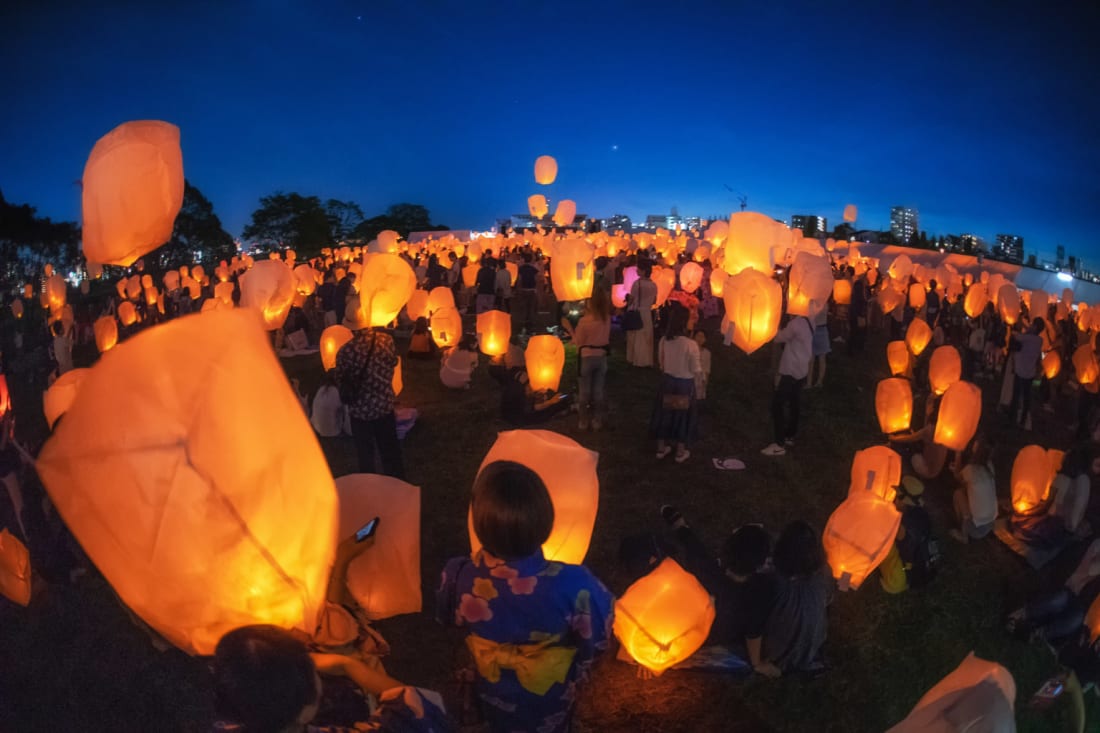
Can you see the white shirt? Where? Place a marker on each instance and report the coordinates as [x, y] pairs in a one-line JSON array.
[[981, 493], [504, 283], [679, 357], [798, 338], [1071, 498], [328, 412]]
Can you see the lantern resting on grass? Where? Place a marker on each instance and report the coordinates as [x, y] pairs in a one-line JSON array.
[[1032, 475], [858, 536], [664, 617], [211, 505]]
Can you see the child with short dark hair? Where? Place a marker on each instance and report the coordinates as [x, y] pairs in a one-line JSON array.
[[535, 625]]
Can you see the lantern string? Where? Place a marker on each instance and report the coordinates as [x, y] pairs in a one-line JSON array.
[[638, 624]]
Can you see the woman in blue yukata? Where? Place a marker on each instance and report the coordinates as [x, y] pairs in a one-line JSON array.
[[535, 625]]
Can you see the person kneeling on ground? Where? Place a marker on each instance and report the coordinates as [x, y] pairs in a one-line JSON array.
[[266, 681], [519, 404], [459, 364], [914, 558]]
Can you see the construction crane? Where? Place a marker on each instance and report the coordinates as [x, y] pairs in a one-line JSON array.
[[741, 198]]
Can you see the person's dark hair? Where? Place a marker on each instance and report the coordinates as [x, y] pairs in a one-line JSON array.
[[599, 305], [57, 328], [677, 321], [798, 551], [746, 550], [980, 450], [1038, 325], [645, 268], [263, 678], [527, 257], [421, 325], [1078, 460], [511, 510], [468, 342]]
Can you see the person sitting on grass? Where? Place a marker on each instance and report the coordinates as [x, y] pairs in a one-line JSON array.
[[1052, 525], [914, 558], [459, 363], [976, 500], [421, 345], [519, 404], [929, 462], [266, 681], [743, 587], [797, 627], [535, 626], [1056, 615]]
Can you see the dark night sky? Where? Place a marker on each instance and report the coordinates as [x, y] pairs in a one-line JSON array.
[[985, 119]]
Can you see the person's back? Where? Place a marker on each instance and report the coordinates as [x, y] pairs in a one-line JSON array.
[[1027, 356], [797, 626]]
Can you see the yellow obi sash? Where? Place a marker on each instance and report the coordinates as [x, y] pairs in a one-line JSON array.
[[537, 666]]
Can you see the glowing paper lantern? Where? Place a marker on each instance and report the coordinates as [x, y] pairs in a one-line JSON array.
[[417, 307], [569, 471], [858, 537], [918, 336], [894, 404], [106, 333], [810, 284], [565, 213], [537, 206], [960, 411], [5, 396], [876, 470], [305, 279], [946, 706], [224, 293], [397, 383], [1085, 364], [384, 580], [494, 330], [132, 191], [17, 308], [151, 296], [897, 354], [332, 338], [889, 299], [469, 274], [1008, 303], [211, 506], [446, 325], [15, 569], [901, 268], [691, 277], [665, 280], [59, 397], [754, 303], [842, 292], [917, 296], [268, 289], [545, 358], [1052, 364], [546, 170], [976, 299], [944, 369], [572, 269], [127, 314], [850, 212], [387, 241], [385, 285], [56, 293], [664, 617], [1032, 475], [749, 241], [618, 295], [718, 278], [440, 297]]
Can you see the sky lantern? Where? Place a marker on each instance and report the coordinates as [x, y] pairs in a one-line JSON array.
[[305, 279], [897, 355], [398, 382], [1032, 475], [545, 358], [385, 285], [565, 213], [810, 284], [664, 617], [944, 369], [901, 268], [224, 292], [268, 289], [132, 191], [417, 307], [1084, 363], [858, 537], [17, 308], [717, 231], [1037, 303], [917, 296], [171, 280], [127, 314], [469, 274], [718, 278], [754, 303], [494, 331], [134, 288], [1067, 296], [28, 291], [572, 269], [106, 333], [665, 280], [387, 241], [201, 519], [691, 277], [618, 295], [889, 299], [876, 470], [332, 338], [57, 399], [850, 212], [440, 297], [537, 206], [918, 336], [960, 411], [842, 291], [1052, 364], [56, 292], [146, 281], [5, 396], [446, 326], [894, 404], [15, 569], [569, 471], [546, 170], [749, 239], [1008, 303], [977, 696], [151, 296], [384, 580], [976, 298]]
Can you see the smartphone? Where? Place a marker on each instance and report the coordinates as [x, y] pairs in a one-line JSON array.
[[367, 530]]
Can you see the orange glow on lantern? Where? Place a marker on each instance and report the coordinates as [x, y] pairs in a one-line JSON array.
[[546, 170], [1052, 364], [944, 369], [960, 411], [545, 357], [842, 292], [446, 326], [572, 269], [858, 537], [894, 404], [332, 338], [106, 333], [918, 336], [1085, 364], [897, 355], [1032, 476], [754, 304], [127, 314], [494, 330], [876, 470]]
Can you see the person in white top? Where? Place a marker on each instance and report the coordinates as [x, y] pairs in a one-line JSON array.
[[797, 338], [675, 413], [459, 363], [504, 286], [976, 501], [642, 298]]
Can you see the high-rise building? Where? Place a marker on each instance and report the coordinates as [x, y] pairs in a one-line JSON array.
[[904, 223], [810, 224], [618, 222], [1060, 259], [1010, 248]]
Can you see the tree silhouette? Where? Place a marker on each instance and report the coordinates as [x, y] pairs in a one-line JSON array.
[[290, 220]]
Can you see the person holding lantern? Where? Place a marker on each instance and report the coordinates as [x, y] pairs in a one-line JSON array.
[[535, 626], [364, 375]]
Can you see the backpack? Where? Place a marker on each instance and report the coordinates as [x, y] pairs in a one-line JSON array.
[[919, 550]]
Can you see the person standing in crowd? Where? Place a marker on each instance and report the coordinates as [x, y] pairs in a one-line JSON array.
[[525, 295], [857, 313], [1028, 347], [504, 286], [486, 285], [326, 293], [794, 366], [675, 413], [62, 348], [364, 375], [592, 337], [642, 298]]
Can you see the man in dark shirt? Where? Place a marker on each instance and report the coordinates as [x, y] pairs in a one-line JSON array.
[[486, 285], [327, 295], [344, 289], [524, 296]]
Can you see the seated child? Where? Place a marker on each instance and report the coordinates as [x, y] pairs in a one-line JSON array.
[[459, 363], [421, 345]]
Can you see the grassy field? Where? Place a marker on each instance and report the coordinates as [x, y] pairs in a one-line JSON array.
[[74, 661]]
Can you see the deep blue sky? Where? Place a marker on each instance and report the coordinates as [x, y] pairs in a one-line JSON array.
[[985, 119]]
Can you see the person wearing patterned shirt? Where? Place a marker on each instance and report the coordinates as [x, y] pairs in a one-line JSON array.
[[364, 375]]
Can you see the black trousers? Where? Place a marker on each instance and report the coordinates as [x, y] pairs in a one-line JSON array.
[[380, 433], [785, 407]]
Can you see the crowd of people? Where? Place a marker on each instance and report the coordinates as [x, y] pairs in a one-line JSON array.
[[534, 626]]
